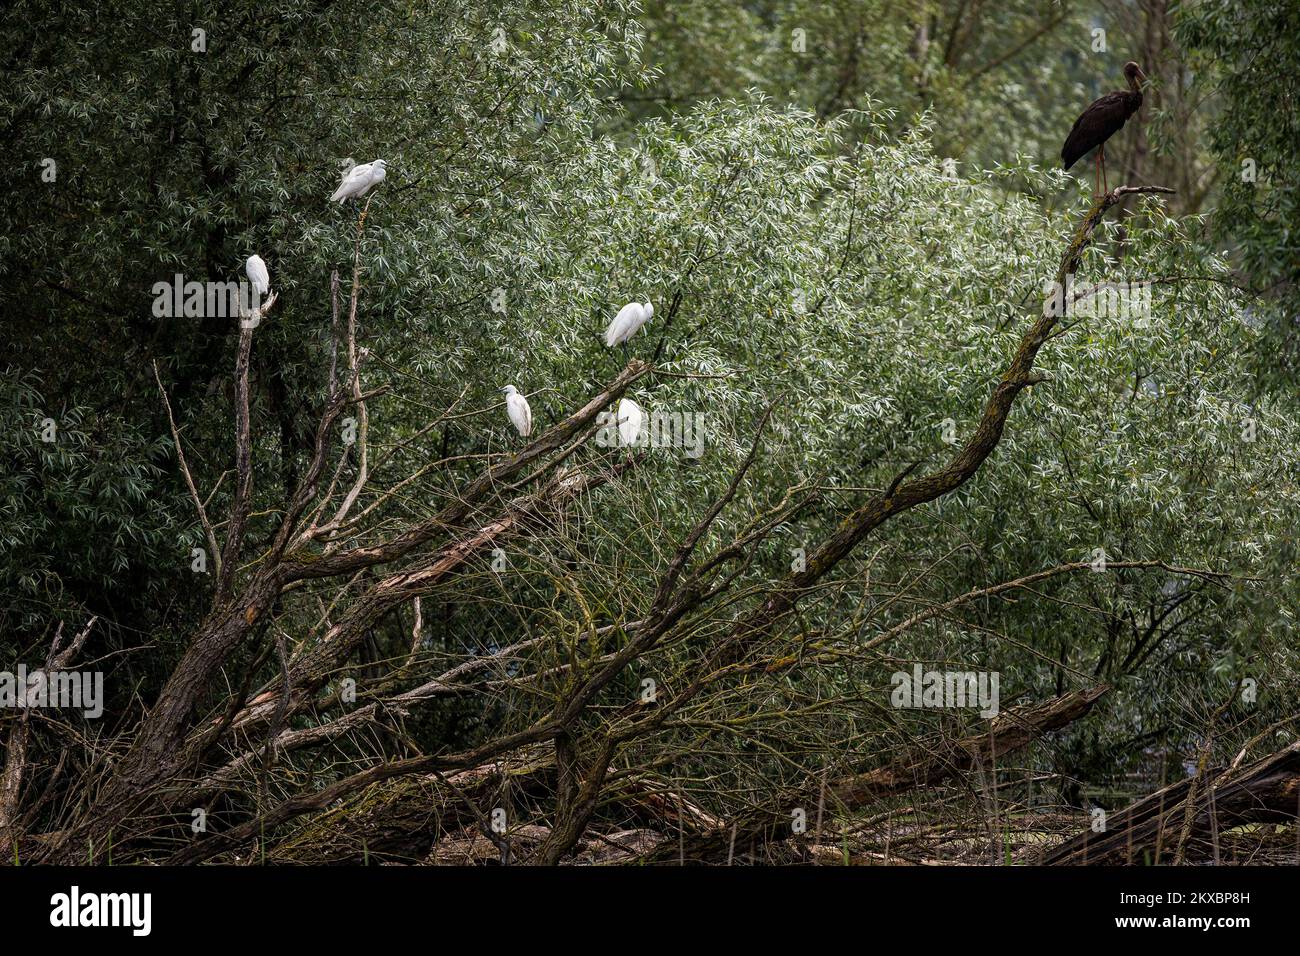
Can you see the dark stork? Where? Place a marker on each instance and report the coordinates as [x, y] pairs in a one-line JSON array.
[[1102, 120]]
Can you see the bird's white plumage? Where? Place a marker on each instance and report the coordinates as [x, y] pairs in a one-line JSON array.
[[630, 417], [258, 274], [521, 416], [359, 180], [630, 318]]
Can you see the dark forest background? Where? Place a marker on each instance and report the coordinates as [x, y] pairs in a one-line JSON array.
[[845, 214]]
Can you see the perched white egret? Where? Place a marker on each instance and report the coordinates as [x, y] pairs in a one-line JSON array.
[[630, 318], [630, 417], [521, 416], [258, 274], [359, 180]]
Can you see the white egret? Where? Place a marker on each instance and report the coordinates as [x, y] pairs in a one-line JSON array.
[[359, 180], [630, 318], [630, 417], [258, 274], [521, 416]]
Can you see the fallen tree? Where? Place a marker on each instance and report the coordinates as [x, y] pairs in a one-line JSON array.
[[925, 767], [1150, 831]]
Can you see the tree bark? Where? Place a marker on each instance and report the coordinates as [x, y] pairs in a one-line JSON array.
[[1267, 791]]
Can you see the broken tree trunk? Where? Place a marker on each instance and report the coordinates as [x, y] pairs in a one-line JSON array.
[[1267, 791], [1007, 732]]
